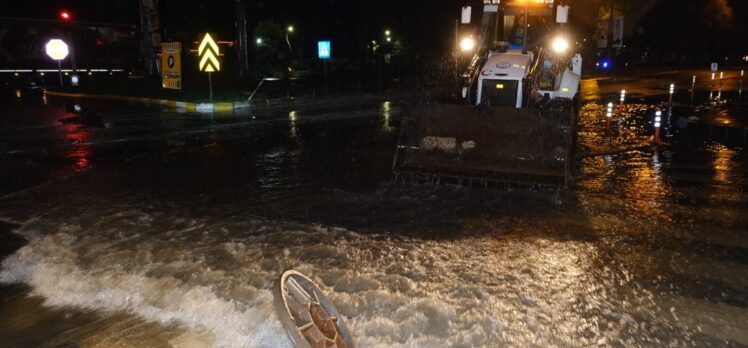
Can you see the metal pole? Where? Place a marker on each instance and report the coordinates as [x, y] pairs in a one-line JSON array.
[[608, 117], [324, 65], [71, 49], [288, 69], [672, 90], [524, 31], [210, 85], [379, 66], [457, 32], [59, 70], [610, 30], [241, 30], [657, 125], [257, 89], [693, 88]]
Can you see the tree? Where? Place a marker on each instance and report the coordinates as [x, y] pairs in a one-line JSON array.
[[269, 53], [717, 19], [718, 15]]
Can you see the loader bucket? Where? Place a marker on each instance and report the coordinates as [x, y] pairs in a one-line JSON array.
[[465, 143]]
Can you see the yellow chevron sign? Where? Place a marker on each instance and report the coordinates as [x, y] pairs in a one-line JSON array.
[[208, 52]]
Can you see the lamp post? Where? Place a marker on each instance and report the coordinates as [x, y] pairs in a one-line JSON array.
[[289, 30]]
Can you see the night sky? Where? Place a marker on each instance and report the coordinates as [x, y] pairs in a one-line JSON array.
[[425, 26]]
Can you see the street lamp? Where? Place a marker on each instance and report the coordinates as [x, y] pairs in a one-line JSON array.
[[560, 45], [387, 32], [259, 41], [289, 30], [467, 44]]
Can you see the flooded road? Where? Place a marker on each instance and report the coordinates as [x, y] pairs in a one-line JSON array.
[[142, 227]]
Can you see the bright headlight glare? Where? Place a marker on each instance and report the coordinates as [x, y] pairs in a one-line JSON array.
[[560, 45], [467, 44]]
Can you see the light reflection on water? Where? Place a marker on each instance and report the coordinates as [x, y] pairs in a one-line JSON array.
[[723, 163], [646, 187], [294, 130], [387, 114]]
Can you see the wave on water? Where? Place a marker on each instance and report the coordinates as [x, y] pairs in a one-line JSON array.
[[215, 278]]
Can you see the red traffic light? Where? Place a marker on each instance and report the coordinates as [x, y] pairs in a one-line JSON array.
[[65, 15]]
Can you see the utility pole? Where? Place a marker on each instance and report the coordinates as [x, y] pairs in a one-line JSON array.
[[150, 28], [241, 37], [526, 24], [610, 30]]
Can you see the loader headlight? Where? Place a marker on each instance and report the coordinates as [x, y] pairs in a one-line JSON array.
[[560, 45], [467, 44]]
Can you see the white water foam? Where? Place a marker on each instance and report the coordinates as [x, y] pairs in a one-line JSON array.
[[214, 277], [50, 265]]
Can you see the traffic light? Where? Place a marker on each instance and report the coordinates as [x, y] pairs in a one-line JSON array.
[[65, 16]]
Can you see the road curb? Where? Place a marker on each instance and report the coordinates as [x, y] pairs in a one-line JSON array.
[[179, 106], [208, 108]]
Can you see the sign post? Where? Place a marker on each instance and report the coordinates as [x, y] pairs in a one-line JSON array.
[[208, 53], [617, 32], [608, 117], [657, 124], [171, 65], [324, 49], [57, 50]]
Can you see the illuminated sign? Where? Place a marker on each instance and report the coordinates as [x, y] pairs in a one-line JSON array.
[[324, 49], [171, 65], [208, 53], [56, 49], [534, 7], [530, 3]]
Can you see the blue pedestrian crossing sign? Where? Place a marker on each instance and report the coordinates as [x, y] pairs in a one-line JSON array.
[[324, 49]]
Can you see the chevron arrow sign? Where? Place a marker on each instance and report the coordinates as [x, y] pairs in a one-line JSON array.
[[208, 53]]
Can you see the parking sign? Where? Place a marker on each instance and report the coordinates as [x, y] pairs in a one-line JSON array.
[[324, 49]]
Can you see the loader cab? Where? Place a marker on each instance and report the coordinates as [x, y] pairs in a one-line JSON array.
[[501, 80]]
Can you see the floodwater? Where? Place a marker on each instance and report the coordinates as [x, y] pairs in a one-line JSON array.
[[167, 230]]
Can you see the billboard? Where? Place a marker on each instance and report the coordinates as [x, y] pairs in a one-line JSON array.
[[171, 65]]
